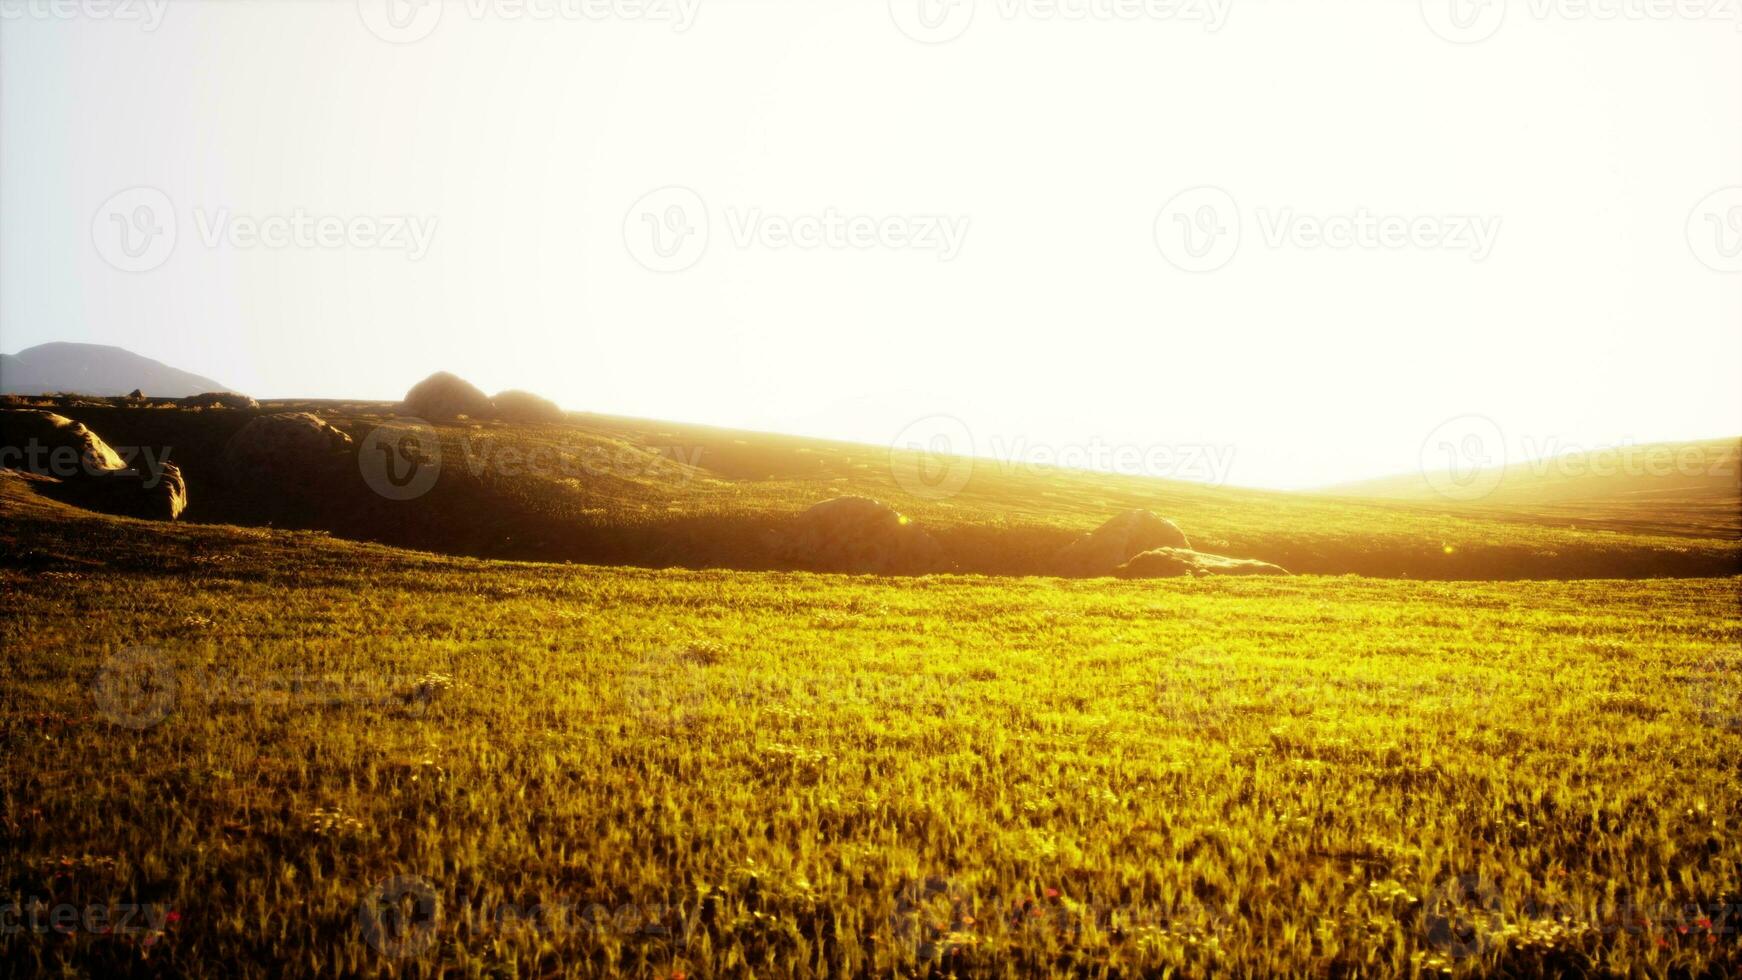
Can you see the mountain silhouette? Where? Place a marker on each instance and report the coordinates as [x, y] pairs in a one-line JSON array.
[[95, 369]]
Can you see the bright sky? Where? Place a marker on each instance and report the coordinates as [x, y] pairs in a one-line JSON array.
[[1102, 230]]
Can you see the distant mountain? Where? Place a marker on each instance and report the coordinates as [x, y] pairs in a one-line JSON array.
[[95, 369]]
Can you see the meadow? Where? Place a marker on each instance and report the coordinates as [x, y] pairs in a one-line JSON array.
[[275, 752]]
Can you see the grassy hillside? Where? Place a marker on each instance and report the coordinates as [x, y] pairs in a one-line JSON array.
[[616, 491], [274, 744], [1687, 488]]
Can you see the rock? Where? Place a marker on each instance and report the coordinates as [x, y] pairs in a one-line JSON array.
[[524, 406], [218, 399], [90, 473], [136, 395], [445, 396], [53, 445], [1180, 562], [160, 496], [1118, 541], [858, 534], [287, 446]]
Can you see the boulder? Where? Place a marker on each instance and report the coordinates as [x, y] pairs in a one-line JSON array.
[[53, 445], [136, 395], [159, 496], [858, 534], [445, 396], [524, 406], [1181, 562], [218, 399], [90, 473], [287, 446], [1118, 541]]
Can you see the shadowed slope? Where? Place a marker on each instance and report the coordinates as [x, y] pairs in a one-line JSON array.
[[605, 490]]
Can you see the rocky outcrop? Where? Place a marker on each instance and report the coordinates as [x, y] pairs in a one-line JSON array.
[[446, 396], [154, 493], [87, 470], [1183, 562], [524, 406], [284, 447], [1116, 542], [218, 399], [861, 535], [54, 445]]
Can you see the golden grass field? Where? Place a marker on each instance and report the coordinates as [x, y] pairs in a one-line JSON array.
[[279, 751], [251, 751]]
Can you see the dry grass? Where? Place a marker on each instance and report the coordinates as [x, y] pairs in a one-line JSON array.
[[582, 771]]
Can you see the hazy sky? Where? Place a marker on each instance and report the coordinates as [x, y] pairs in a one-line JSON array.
[[1306, 233]]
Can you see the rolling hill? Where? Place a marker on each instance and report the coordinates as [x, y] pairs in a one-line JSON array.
[[601, 490], [1669, 488]]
